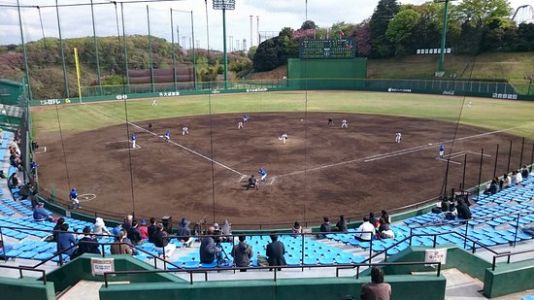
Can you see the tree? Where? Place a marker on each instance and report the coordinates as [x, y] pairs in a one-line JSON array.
[[480, 11], [384, 12], [401, 28], [266, 57], [308, 24], [363, 39]]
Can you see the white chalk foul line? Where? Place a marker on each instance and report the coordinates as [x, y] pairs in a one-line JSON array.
[[189, 150], [450, 160]]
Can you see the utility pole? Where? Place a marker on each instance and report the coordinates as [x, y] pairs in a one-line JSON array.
[[251, 29], [441, 61]]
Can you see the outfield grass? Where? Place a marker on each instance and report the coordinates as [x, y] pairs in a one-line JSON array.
[[487, 113]]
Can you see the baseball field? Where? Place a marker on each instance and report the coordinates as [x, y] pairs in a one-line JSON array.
[[322, 170]]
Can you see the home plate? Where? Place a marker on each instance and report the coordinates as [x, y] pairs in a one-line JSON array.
[[430, 144], [242, 178]]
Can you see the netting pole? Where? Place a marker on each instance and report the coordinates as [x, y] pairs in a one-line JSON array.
[[125, 47], [207, 26], [150, 58], [480, 170], [532, 157], [24, 52], [463, 174], [173, 53], [496, 159], [62, 51], [98, 75], [42, 27], [521, 155], [446, 178], [509, 157], [63, 149], [194, 55]]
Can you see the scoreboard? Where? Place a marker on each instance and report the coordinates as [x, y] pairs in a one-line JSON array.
[[341, 48]]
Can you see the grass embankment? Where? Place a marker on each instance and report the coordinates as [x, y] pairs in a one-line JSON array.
[[487, 113]]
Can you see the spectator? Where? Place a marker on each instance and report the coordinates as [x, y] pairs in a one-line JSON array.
[[127, 223], [143, 229], [13, 181], [492, 188], [121, 246], [133, 234], [504, 182], [40, 214], [386, 216], [444, 205], [385, 231], [226, 230], [275, 253], [463, 211], [57, 227], [341, 225], [377, 289], [161, 240], [184, 233], [374, 220], [297, 229], [87, 244], [366, 231], [325, 227], [524, 172], [66, 242], [100, 227], [452, 213], [209, 251], [242, 254], [152, 229]]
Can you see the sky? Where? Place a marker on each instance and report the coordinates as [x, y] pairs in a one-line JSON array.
[[273, 15]]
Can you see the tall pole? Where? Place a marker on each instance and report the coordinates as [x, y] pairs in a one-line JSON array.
[[24, 53], [77, 65], [509, 157], [96, 49], [463, 174], [125, 47], [194, 55], [151, 62], [258, 29], [521, 155], [251, 29], [496, 159], [224, 50], [443, 35], [306, 10], [207, 27], [480, 170], [65, 79], [173, 53]]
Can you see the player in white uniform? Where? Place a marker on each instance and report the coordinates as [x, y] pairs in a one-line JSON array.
[[185, 130], [283, 138], [154, 102], [398, 137], [240, 125], [344, 124]]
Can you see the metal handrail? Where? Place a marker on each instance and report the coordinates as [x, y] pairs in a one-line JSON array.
[[508, 255], [275, 268], [24, 268]]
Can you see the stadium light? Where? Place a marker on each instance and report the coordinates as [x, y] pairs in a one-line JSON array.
[[224, 5], [441, 61]]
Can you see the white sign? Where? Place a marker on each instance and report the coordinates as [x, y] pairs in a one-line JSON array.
[[504, 96], [121, 97], [436, 255], [99, 266], [169, 94]]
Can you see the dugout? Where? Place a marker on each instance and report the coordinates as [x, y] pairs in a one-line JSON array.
[[327, 73]]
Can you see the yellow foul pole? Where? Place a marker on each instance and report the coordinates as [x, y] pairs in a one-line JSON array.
[[77, 63]]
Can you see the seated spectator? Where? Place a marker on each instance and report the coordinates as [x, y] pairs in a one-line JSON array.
[[524, 172], [100, 227], [385, 216], [40, 214], [374, 220], [385, 231], [242, 253], [275, 252], [152, 229], [127, 223], [87, 244], [463, 211], [121, 246], [366, 231], [209, 251], [325, 227], [66, 242], [377, 289], [133, 234], [13, 181], [57, 227], [341, 225], [444, 205], [226, 231], [518, 178], [161, 240], [492, 188], [504, 182], [296, 229], [184, 233], [143, 229], [452, 213]]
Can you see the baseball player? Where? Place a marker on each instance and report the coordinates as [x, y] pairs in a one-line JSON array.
[[398, 137], [185, 130], [167, 135], [245, 118], [154, 102], [240, 125], [441, 150], [263, 173], [283, 138], [344, 124], [330, 121], [150, 126], [252, 183], [134, 138], [73, 195]]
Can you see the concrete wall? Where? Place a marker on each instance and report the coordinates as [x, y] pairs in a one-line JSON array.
[[26, 288], [509, 278]]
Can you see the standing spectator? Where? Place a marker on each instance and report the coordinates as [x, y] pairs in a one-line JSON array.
[[121, 246], [184, 233], [275, 253], [100, 227], [325, 227], [57, 228], [297, 229], [161, 240], [209, 251], [66, 242], [377, 289], [366, 231], [87, 244], [152, 229], [143, 229], [341, 225], [242, 254], [133, 234]]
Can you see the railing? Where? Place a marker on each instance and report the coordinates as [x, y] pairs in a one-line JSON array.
[[270, 268], [508, 255], [24, 268]]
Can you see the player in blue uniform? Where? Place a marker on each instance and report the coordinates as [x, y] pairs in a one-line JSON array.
[[245, 118], [441, 150], [167, 135], [73, 195], [263, 173], [134, 139]]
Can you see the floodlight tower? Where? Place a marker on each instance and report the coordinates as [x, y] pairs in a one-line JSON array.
[[224, 5], [443, 33]]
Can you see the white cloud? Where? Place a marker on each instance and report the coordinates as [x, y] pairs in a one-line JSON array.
[[274, 14]]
